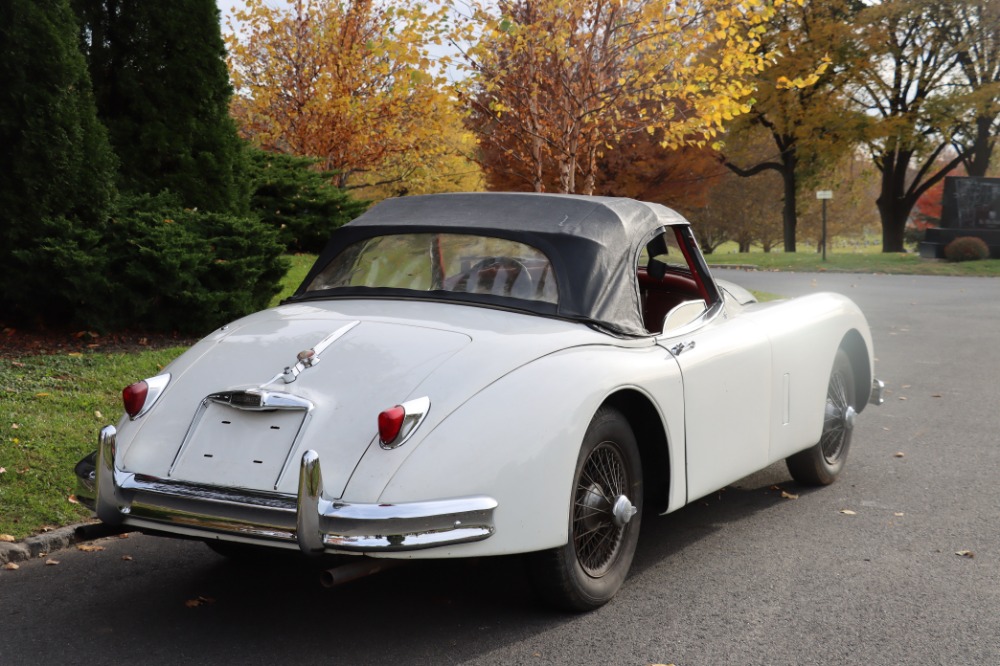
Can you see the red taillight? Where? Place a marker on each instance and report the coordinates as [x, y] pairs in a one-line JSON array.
[[389, 423], [134, 397]]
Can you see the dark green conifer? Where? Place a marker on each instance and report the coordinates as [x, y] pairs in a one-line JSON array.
[[291, 195], [162, 89], [56, 167]]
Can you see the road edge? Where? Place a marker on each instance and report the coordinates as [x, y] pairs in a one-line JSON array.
[[40, 545]]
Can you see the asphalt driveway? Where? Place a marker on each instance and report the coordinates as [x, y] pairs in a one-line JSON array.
[[896, 563]]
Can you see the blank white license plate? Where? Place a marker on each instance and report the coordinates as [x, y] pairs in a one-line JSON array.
[[238, 448]]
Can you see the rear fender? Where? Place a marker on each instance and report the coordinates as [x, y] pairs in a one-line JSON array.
[[518, 441]]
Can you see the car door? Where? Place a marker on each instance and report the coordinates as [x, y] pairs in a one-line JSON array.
[[725, 366]]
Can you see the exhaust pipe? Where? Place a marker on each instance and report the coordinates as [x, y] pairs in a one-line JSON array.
[[346, 573]]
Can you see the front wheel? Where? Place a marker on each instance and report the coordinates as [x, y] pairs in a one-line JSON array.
[[820, 464], [605, 509]]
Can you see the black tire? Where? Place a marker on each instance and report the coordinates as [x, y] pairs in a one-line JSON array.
[[820, 464], [588, 571]]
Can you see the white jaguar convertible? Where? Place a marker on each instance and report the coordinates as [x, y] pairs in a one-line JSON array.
[[468, 375]]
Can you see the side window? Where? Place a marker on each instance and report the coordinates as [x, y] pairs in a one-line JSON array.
[[664, 252], [671, 283]]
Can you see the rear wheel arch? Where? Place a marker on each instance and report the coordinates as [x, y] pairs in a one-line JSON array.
[[857, 350], [651, 437]]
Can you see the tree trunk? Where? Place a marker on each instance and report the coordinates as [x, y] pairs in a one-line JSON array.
[[788, 216], [893, 204], [537, 177], [982, 148], [786, 167], [894, 213]]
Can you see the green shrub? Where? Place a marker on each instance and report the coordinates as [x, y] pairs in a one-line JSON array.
[[292, 196], [967, 248], [177, 269]]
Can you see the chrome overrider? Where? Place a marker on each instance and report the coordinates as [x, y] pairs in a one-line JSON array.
[[877, 396], [312, 522]]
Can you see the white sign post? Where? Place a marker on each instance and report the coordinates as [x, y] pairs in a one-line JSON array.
[[823, 195]]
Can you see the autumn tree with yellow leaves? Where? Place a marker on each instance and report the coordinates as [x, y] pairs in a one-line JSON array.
[[556, 83], [809, 127], [351, 83]]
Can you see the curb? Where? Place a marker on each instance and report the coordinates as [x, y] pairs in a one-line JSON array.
[[40, 545]]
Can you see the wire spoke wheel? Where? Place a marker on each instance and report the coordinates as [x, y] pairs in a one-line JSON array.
[[838, 421], [605, 508], [820, 464], [596, 536]]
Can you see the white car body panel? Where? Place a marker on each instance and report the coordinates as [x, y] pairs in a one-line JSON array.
[[727, 434]]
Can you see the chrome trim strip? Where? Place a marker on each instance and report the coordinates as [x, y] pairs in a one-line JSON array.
[[415, 412], [154, 388], [259, 400], [308, 520], [710, 313], [310, 357]]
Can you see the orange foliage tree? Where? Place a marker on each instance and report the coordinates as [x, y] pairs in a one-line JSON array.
[[352, 83], [556, 83]]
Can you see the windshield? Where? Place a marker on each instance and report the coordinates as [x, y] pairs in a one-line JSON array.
[[427, 262]]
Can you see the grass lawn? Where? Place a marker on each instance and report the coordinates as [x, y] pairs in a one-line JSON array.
[[52, 406], [300, 265], [854, 262]]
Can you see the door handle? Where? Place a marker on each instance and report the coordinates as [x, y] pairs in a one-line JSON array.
[[680, 347]]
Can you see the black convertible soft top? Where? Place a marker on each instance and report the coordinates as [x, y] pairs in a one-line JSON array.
[[593, 244]]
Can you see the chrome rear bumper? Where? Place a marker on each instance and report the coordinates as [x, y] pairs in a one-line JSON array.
[[308, 520]]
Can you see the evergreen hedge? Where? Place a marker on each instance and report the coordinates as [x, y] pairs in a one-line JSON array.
[[299, 201], [179, 269]]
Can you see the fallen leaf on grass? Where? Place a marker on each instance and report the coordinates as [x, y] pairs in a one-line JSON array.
[[788, 495], [200, 601], [42, 395], [73, 500], [848, 512], [8, 538], [51, 563], [98, 414], [10, 566], [3, 470], [88, 547], [75, 354], [965, 553]]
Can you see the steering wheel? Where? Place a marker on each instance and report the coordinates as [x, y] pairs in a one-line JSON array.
[[486, 271]]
